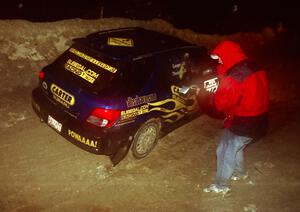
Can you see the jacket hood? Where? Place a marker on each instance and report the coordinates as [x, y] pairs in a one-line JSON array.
[[230, 54]]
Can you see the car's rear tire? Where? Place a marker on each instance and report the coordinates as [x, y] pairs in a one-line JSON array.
[[145, 138]]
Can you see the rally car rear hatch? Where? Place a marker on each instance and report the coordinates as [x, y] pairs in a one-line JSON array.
[[79, 76]]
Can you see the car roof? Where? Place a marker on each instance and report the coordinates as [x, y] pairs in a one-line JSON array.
[[132, 43]]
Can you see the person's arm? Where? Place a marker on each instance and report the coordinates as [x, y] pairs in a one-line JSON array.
[[227, 95]]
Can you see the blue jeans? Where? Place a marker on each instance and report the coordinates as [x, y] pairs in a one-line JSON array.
[[230, 157]]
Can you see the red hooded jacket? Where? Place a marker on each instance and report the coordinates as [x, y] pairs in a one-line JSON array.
[[243, 90]]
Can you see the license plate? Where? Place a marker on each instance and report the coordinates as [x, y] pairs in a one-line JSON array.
[[54, 124]]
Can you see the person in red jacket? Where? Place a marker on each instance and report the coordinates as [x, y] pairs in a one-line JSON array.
[[243, 96]]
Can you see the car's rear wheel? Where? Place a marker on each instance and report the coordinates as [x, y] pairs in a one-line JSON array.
[[145, 138]]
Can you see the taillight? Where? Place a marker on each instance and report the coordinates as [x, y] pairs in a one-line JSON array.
[[103, 117], [41, 75]]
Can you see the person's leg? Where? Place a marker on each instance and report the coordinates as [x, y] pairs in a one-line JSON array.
[[220, 152], [240, 171], [226, 152], [219, 186], [229, 158]]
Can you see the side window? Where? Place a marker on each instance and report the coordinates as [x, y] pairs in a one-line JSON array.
[[201, 61], [198, 62], [201, 65], [139, 74]]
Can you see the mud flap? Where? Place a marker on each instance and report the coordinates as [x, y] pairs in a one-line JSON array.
[[121, 152]]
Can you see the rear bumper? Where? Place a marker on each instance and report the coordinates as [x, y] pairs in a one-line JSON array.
[[89, 138]]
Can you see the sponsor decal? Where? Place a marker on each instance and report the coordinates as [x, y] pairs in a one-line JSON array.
[[181, 105], [82, 139], [172, 109], [211, 85], [93, 60], [125, 42], [62, 96], [181, 70], [139, 100], [133, 112], [81, 71]]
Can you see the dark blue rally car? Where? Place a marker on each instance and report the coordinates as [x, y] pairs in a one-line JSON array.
[[121, 89]]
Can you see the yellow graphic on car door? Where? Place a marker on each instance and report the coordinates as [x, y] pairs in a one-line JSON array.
[[180, 105], [172, 109]]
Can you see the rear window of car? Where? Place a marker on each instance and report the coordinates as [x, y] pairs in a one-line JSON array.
[[97, 73]]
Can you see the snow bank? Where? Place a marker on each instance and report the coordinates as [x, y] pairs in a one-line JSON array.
[[25, 47]]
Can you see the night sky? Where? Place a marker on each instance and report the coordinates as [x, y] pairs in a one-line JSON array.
[[224, 16]]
